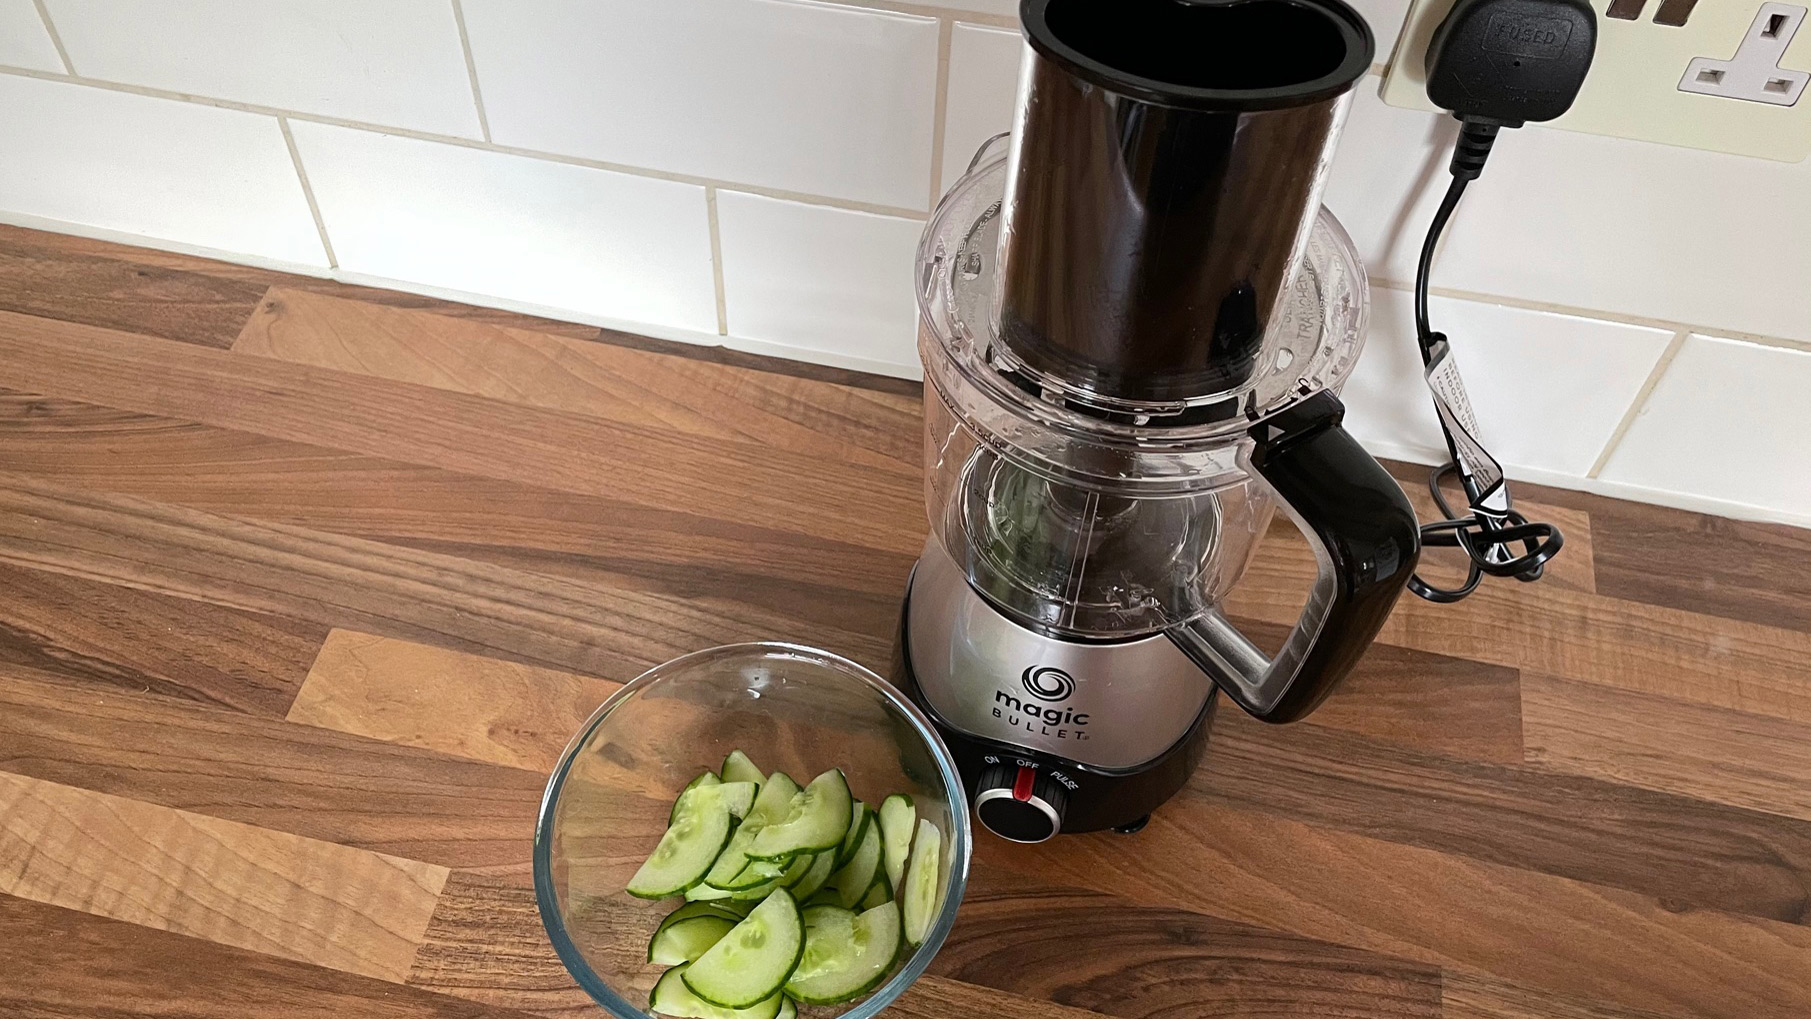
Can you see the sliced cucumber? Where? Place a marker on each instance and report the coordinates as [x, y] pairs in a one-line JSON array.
[[769, 808], [686, 940], [705, 779], [739, 797], [672, 997], [700, 830], [793, 872], [787, 1009], [898, 820], [846, 955], [851, 881], [822, 866], [816, 819], [860, 817], [702, 892], [757, 872], [692, 910], [918, 899], [738, 768], [754, 959], [878, 892]]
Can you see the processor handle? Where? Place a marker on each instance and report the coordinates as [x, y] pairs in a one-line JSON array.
[[1365, 539]]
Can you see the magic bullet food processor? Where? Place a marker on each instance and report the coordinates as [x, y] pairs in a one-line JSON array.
[[1135, 318]]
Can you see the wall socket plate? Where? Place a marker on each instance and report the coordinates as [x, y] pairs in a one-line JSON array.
[[1633, 90]]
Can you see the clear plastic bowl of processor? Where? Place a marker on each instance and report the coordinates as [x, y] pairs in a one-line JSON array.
[[1085, 516]]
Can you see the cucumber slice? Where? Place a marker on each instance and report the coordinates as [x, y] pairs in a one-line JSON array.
[[702, 892], [878, 892], [672, 997], [769, 807], [692, 910], [918, 900], [686, 940], [822, 866], [757, 872], [846, 955], [816, 819], [705, 779], [852, 880], [739, 797], [700, 829], [787, 1009], [754, 959], [859, 818], [793, 872], [898, 819], [738, 768]]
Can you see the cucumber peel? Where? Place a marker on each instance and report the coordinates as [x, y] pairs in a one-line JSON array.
[[753, 961], [816, 819]]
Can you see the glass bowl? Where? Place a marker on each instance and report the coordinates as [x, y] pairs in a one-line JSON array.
[[791, 709]]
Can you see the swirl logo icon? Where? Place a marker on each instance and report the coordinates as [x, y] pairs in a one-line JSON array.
[[1048, 684]]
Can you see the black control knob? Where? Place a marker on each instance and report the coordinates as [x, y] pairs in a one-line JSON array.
[[1020, 804]]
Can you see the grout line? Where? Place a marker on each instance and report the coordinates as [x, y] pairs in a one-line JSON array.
[[946, 34], [1639, 403], [55, 39], [314, 208], [932, 11], [710, 205], [471, 69], [1602, 315], [828, 201]]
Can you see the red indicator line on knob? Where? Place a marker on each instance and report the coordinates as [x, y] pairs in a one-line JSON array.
[[1021, 786]]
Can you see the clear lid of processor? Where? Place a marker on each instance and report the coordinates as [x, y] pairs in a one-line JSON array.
[[1070, 435]]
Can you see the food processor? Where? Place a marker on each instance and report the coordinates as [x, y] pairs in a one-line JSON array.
[[1135, 319]]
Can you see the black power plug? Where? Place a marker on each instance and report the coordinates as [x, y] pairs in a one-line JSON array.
[[1494, 64], [1511, 61]]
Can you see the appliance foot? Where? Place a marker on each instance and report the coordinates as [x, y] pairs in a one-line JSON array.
[[1133, 827]]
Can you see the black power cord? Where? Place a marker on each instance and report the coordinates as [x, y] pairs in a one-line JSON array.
[[1496, 64]]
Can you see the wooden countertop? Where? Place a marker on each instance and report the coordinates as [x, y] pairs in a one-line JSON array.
[[303, 587]]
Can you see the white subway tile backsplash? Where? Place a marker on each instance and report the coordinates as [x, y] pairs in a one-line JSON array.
[[1574, 219], [1006, 7], [984, 82], [1727, 421], [23, 40], [1386, 18], [1549, 390], [802, 97], [606, 245], [392, 62], [181, 172], [817, 278]]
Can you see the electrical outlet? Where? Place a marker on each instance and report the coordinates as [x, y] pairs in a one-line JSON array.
[[1646, 83]]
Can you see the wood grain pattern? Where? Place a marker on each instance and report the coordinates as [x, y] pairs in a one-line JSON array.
[[1709, 753], [584, 537], [1111, 955], [400, 801], [1576, 635], [42, 275], [1469, 996], [234, 884], [595, 379], [289, 633], [95, 968], [1549, 933], [505, 713], [371, 586], [486, 944], [357, 413], [1450, 706], [102, 634], [1571, 826], [1735, 569]]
